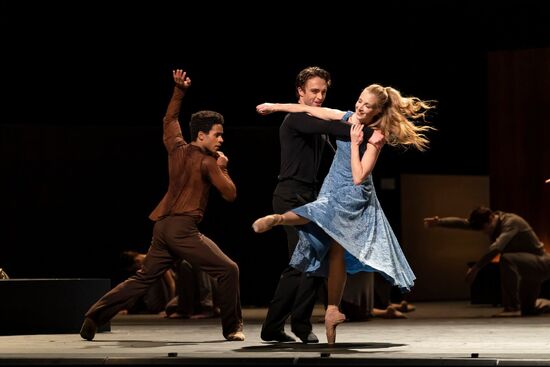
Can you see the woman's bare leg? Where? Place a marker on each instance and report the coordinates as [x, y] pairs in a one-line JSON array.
[[269, 221], [336, 282], [336, 274]]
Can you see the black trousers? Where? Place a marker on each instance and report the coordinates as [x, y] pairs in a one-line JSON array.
[[296, 292]]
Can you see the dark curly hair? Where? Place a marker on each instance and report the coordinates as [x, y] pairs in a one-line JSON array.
[[203, 121]]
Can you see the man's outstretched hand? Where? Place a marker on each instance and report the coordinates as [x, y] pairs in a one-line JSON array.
[[431, 222]]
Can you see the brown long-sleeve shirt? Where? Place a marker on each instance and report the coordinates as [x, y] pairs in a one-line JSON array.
[[192, 171]]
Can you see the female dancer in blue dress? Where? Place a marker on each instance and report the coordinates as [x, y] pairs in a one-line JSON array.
[[346, 224]]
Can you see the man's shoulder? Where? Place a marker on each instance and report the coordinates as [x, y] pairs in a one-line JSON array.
[[294, 121], [511, 218], [207, 163], [297, 120], [292, 117], [507, 215], [299, 116]]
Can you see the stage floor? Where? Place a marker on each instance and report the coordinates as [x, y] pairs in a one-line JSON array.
[[436, 334]]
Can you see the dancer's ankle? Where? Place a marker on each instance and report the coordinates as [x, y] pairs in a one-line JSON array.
[[266, 223]]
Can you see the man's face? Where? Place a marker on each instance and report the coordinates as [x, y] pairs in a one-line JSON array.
[[314, 92], [213, 140]]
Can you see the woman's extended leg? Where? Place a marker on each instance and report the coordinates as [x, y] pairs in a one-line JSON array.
[[269, 221]]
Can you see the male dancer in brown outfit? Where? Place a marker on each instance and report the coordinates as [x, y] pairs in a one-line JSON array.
[[524, 263], [193, 169]]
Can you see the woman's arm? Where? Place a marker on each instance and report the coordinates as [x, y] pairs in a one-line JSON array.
[[323, 113], [361, 167]]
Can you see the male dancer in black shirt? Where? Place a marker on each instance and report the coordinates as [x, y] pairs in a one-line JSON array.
[[302, 142]]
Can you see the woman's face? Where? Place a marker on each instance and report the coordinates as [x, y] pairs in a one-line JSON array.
[[366, 107]]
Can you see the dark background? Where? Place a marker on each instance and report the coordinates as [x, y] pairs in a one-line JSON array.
[[84, 89]]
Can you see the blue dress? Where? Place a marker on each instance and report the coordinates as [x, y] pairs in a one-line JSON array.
[[352, 216]]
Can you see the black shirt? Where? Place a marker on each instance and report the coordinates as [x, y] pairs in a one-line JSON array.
[[302, 144]]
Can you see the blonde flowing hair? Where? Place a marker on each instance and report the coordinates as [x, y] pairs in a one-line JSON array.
[[396, 117]]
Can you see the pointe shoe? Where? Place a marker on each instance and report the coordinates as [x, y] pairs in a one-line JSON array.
[[333, 318], [266, 223]]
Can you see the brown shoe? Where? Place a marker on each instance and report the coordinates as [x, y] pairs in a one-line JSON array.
[[266, 223], [88, 330], [237, 336]]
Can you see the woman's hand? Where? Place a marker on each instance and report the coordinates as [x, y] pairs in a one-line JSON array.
[[356, 134], [266, 108]]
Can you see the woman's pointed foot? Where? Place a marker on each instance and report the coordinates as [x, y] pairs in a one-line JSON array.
[[333, 318], [266, 223]]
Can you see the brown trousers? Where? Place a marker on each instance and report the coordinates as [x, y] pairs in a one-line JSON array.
[[177, 237], [521, 277]]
